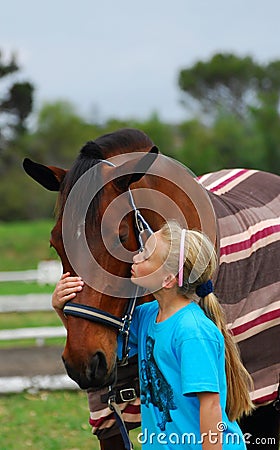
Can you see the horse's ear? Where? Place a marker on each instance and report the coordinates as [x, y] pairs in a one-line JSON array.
[[49, 177], [132, 171]]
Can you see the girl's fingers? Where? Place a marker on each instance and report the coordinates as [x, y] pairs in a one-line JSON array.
[[64, 275], [70, 290], [66, 288], [67, 297], [72, 284], [68, 283]]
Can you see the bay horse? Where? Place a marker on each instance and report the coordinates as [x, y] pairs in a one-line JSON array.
[[96, 235]]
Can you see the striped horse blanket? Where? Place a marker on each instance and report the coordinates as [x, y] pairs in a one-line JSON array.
[[247, 208], [247, 284]]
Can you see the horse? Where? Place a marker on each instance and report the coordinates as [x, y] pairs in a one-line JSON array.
[[98, 229]]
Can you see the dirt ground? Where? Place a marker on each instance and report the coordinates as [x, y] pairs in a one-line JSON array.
[[31, 361]]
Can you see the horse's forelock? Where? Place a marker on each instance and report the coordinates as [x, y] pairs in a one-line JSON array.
[[79, 168], [91, 151], [123, 141]]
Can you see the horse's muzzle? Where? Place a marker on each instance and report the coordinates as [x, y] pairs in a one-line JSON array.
[[92, 375]]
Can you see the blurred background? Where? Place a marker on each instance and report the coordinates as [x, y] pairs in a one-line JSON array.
[[201, 78]]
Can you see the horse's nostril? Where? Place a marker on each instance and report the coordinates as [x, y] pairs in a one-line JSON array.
[[93, 374], [98, 366]]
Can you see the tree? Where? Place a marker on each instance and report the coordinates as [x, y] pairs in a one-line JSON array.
[[240, 99], [59, 134], [15, 106], [228, 83]]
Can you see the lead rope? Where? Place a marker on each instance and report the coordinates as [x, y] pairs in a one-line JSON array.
[[120, 422], [112, 404]]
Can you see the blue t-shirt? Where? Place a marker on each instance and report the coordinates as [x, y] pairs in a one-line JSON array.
[[179, 357]]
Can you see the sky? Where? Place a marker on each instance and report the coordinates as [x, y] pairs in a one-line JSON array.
[[122, 58]]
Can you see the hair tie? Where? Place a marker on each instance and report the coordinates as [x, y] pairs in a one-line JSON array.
[[204, 289], [181, 258]]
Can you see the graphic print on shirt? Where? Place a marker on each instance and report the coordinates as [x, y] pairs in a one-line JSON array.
[[154, 387]]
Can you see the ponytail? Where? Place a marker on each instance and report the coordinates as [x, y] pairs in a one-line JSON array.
[[239, 382], [197, 263]]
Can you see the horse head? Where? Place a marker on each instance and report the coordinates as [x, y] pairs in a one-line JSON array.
[[95, 236]]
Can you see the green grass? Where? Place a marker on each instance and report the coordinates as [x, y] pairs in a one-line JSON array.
[[23, 287], [48, 421], [24, 343], [27, 320], [24, 244]]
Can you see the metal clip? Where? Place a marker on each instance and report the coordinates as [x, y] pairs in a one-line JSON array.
[[128, 395], [111, 398]]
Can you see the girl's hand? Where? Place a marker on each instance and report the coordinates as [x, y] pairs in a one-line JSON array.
[[65, 290]]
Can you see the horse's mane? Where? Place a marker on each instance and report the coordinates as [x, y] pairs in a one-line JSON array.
[[121, 141]]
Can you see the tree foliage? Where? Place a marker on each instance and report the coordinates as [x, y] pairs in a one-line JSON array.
[[230, 84], [15, 104], [238, 97]]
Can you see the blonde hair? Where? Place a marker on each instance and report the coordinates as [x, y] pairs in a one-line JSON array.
[[200, 262]]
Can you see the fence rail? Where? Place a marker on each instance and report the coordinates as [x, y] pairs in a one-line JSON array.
[[46, 272], [21, 275], [38, 333], [25, 303]]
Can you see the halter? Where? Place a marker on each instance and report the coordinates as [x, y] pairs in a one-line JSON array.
[[122, 325]]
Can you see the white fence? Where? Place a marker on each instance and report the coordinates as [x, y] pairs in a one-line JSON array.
[[47, 272], [38, 333], [29, 303]]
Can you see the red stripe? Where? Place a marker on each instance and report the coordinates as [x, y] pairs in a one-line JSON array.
[[132, 409], [267, 317], [129, 409], [228, 180], [238, 246], [98, 422], [266, 398]]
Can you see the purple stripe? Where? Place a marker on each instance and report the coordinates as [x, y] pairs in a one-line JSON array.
[[228, 180], [267, 317], [238, 246]]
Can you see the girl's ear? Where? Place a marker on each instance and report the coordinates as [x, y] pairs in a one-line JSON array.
[[169, 281]]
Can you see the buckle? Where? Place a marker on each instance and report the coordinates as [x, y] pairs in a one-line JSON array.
[[128, 395]]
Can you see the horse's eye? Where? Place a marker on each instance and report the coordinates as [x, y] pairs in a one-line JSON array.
[[123, 238]]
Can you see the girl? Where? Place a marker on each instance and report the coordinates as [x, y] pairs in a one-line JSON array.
[[193, 384]]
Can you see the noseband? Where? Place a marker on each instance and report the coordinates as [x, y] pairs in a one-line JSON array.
[[122, 325]]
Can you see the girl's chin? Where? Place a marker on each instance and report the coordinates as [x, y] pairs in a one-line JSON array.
[[133, 279]]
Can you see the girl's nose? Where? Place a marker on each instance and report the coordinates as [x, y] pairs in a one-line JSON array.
[[137, 258]]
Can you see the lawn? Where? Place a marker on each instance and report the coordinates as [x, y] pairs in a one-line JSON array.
[[45, 420], [48, 421], [24, 287], [27, 320], [24, 244]]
